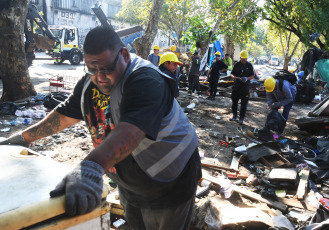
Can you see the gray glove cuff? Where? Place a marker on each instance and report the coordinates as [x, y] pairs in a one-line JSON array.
[[16, 139], [94, 171]]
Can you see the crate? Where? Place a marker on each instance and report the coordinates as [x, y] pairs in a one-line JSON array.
[[62, 84]]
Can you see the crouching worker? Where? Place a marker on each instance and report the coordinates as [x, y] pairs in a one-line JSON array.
[[280, 93], [148, 147], [169, 64]]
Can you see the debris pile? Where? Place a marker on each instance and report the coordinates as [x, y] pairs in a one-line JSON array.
[[279, 183]]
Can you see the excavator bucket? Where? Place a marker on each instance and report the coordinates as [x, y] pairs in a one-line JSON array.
[[43, 42]]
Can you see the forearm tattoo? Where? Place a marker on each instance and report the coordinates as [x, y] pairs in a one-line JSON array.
[[45, 128]]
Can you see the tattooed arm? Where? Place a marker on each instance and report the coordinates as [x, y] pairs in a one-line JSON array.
[[117, 146], [51, 124]]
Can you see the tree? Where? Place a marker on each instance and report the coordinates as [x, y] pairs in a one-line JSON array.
[[233, 18], [143, 43], [14, 71], [134, 11], [302, 18], [284, 43], [174, 17]]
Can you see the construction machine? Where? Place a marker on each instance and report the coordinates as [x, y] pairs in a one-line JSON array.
[[127, 35], [67, 36]]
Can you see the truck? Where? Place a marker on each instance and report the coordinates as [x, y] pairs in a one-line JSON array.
[[274, 61], [67, 36]]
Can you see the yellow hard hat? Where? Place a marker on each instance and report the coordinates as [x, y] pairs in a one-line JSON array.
[[218, 53], [244, 54], [173, 48], [169, 56], [269, 84], [156, 47]]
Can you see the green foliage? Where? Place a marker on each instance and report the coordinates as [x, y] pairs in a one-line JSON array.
[[239, 23], [135, 11], [302, 18], [199, 30], [174, 16], [236, 22]]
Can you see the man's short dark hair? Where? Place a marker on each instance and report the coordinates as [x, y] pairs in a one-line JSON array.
[[227, 55], [101, 38]]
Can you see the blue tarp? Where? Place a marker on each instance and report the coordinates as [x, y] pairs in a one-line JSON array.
[[216, 47]]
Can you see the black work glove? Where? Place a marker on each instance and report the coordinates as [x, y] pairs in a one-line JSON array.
[[83, 188], [16, 139], [275, 105], [244, 79]]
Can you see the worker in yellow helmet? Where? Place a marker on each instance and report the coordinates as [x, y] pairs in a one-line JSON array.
[[216, 68], [154, 57], [280, 93], [242, 73], [169, 64], [173, 48]]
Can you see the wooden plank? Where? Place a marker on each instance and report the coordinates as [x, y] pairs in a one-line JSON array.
[[303, 183], [255, 196], [297, 204], [214, 163], [35, 213], [249, 194], [235, 162], [67, 222], [283, 174]]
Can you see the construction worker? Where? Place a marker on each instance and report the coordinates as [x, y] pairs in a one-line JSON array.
[[193, 77], [154, 57], [228, 61], [57, 53], [217, 67], [173, 48], [150, 147], [280, 95], [169, 64], [243, 72]]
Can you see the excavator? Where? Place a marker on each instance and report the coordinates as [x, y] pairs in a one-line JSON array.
[[67, 36]]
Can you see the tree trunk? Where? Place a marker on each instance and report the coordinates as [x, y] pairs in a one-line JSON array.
[[13, 67], [229, 46], [143, 43]]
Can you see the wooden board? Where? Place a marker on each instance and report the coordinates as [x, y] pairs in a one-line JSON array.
[[214, 163], [283, 174], [303, 184], [249, 194], [25, 184], [274, 161], [297, 204], [235, 162]]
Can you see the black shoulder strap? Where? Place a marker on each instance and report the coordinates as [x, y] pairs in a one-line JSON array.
[[280, 84]]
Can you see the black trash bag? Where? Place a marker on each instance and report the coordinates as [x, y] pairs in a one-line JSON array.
[[8, 108], [54, 99], [275, 121]]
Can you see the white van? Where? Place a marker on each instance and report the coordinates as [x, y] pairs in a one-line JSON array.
[[274, 61]]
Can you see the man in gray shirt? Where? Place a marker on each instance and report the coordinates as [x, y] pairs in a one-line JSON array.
[[154, 57]]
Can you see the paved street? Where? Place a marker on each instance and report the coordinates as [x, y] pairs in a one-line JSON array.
[[43, 69]]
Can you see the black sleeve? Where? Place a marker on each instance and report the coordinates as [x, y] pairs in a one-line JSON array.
[[146, 99], [236, 70], [71, 106], [223, 66]]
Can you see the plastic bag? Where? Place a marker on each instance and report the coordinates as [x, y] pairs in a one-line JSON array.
[[275, 121]]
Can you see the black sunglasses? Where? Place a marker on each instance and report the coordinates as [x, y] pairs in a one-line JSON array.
[[107, 71]]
